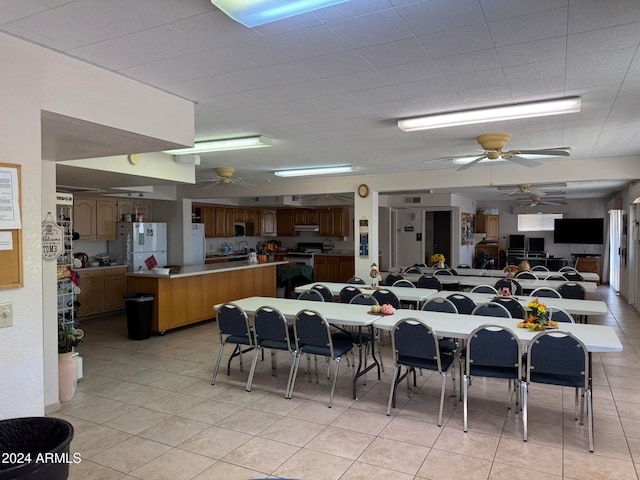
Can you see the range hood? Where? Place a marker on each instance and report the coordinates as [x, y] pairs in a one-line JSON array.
[[306, 228]]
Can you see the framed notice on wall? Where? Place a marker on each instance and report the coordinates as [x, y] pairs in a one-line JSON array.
[[10, 226], [364, 237]]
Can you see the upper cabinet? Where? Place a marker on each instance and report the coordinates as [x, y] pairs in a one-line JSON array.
[[333, 222], [95, 219], [286, 219], [135, 208], [490, 225], [269, 223]]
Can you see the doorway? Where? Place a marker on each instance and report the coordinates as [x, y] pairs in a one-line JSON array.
[[437, 235]]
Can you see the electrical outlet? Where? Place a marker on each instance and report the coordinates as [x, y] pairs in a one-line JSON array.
[[6, 314]]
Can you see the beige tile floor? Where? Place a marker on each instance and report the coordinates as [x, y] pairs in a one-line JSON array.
[[146, 410]]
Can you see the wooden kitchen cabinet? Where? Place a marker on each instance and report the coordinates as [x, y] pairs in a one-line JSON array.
[[102, 290], [333, 268], [225, 220], [333, 222], [95, 219], [134, 207], [488, 224], [286, 221], [269, 223], [208, 217]]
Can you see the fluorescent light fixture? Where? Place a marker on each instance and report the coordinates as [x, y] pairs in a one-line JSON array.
[[252, 13], [224, 144], [301, 172], [492, 114]]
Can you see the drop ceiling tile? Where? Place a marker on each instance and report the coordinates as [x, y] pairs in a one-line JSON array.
[[411, 72], [315, 88], [203, 87], [297, 107], [372, 29], [200, 29], [13, 10], [229, 101], [348, 61], [534, 71], [310, 42], [531, 52], [459, 40], [352, 8], [501, 9], [598, 69], [259, 53], [297, 22], [332, 102], [633, 74], [378, 95], [394, 53], [352, 82], [437, 90], [498, 94], [468, 62], [592, 15], [275, 94], [441, 15], [211, 62], [164, 72], [531, 90], [530, 27], [605, 39], [290, 72], [472, 81]]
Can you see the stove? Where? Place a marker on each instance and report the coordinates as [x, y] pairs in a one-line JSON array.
[[304, 252], [309, 247]]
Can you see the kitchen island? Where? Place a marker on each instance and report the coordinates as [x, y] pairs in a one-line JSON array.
[[189, 296]]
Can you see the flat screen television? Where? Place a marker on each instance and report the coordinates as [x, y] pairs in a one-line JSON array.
[[536, 244], [516, 242], [579, 230]]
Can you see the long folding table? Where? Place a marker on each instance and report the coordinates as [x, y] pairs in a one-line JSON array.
[[482, 272], [416, 295]]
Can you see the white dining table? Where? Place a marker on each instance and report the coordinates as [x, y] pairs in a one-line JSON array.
[[575, 307], [406, 294], [482, 272], [597, 338], [474, 281], [339, 314]]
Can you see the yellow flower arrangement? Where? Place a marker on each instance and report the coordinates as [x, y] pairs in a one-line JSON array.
[[271, 247], [437, 258], [538, 317]]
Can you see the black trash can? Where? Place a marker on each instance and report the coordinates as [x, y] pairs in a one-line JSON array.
[[139, 307], [36, 448]]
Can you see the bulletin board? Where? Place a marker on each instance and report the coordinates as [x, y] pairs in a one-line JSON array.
[[10, 226]]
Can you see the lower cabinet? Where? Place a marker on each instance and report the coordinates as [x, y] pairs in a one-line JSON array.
[[102, 290], [333, 268]]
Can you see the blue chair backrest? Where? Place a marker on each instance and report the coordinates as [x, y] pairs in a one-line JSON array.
[[463, 303], [463, 265], [529, 275], [386, 296], [560, 315], [556, 277], [413, 270], [364, 299], [404, 283], [347, 293], [270, 324], [313, 295], [426, 281], [571, 290], [573, 276], [491, 309], [515, 309], [312, 329], [414, 339], [546, 292], [559, 354], [439, 304], [443, 271], [324, 291], [539, 268], [484, 289], [356, 281], [392, 278], [232, 320], [568, 269], [493, 346]]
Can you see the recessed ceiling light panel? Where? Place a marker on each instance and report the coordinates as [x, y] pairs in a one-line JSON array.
[[252, 13]]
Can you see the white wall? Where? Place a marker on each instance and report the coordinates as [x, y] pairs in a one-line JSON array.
[[34, 78]]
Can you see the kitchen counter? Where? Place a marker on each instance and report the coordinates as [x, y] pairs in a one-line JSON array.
[[189, 296], [230, 257], [105, 267]]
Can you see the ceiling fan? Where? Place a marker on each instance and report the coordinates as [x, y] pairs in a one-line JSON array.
[[536, 200], [224, 176], [494, 143], [528, 189]]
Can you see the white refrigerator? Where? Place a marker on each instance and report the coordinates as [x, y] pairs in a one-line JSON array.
[[198, 244], [140, 245]]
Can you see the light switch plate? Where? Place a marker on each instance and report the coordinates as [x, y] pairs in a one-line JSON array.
[[6, 314]]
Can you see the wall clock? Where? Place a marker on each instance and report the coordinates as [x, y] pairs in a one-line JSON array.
[[363, 190]]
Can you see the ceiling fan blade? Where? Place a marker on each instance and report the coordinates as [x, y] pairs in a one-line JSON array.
[[471, 164], [555, 152], [525, 162]]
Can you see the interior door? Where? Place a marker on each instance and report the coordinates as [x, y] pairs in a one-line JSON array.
[[442, 235]]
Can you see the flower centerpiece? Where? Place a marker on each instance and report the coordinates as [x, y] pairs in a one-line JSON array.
[[270, 248], [374, 273], [510, 270], [438, 260], [537, 317]]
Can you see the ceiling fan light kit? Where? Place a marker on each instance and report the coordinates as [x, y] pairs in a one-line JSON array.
[[301, 172], [223, 145], [542, 108]]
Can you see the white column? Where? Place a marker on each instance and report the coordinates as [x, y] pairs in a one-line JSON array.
[[366, 208]]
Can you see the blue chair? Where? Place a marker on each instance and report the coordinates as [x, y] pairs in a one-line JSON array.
[[313, 336], [514, 287], [413, 270], [384, 296], [364, 299], [463, 303], [234, 329], [484, 289], [568, 269], [573, 277], [440, 304], [272, 332], [529, 275], [313, 295], [559, 358], [392, 278], [443, 271], [558, 314], [572, 290], [546, 292], [324, 291], [347, 293], [415, 345], [556, 277], [404, 283], [491, 309], [356, 281], [516, 310], [539, 268], [463, 265], [491, 351], [428, 281]]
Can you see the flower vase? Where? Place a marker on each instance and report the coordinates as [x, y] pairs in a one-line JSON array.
[[67, 376], [440, 265]]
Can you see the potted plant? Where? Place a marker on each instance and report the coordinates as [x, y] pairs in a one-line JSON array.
[[68, 338]]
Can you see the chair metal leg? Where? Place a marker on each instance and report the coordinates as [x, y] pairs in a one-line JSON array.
[[394, 384], [274, 363], [335, 380], [444, 385], [217, 367], [525, 393], [252, 371], [590, 418], [465, 386], [294, 374]]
